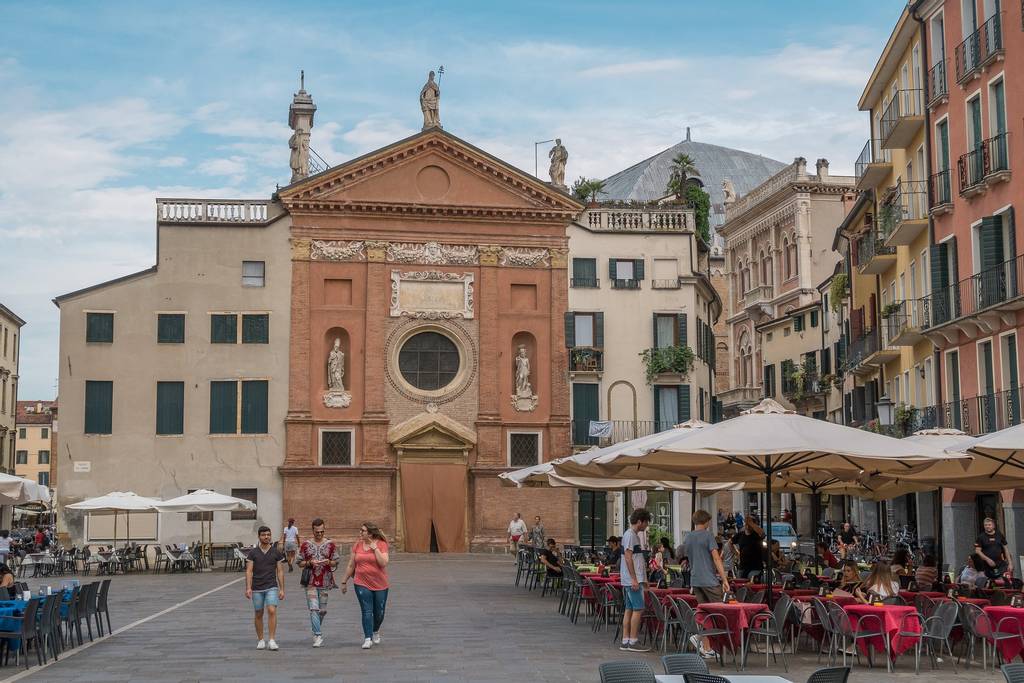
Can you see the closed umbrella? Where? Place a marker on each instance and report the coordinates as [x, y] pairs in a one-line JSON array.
[[205, 500], [118, 501]]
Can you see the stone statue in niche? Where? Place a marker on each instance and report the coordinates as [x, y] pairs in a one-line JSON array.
[[336, 396], [728, 191], [524, 400]]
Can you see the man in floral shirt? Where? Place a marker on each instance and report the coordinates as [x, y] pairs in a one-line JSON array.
[[320, 555]]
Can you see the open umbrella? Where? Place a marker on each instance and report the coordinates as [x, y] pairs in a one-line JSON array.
[[118, 501], [205, 500], [16, 490], [992, 461], [764, 441]]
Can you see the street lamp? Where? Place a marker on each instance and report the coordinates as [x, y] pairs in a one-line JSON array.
[[884, 406], [536, 164]]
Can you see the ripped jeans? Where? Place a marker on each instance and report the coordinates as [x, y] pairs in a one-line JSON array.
[[316, 600]]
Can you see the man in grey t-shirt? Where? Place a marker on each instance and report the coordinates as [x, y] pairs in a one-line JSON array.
[[708, 580]]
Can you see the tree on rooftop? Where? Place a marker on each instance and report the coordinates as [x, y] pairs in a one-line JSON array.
[[587, 189], [683, 167]]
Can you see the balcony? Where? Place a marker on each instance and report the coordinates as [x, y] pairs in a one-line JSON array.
[[621, 430], [936, 88], [806, 387], [975, 415], [905, 215], [625, 284], [758, 295], [980, 304], [740, 398], [867, 352], [979, 49], [212, 211], [987, 164], [940, 192], [644, 218], [902, 119], [873, 256], [903, 322], [671, 283], [873, 165], [584, 283], [586, 359]]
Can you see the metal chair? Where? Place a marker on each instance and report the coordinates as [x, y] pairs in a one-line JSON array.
[[828, 628], [688, 620], [658, 622], [627, 671], [847, 632], [978, 626], [102, 609], [70, 619], [1013, 673], [936, 628], [704, 678], [87, 607], [46, 640], [770, 625], [682, 664], [837, 674]]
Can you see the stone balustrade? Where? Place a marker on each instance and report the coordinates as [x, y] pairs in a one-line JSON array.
[[639, 219], [222, 211]]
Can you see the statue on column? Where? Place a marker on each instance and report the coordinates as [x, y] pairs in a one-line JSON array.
[[300, 120], [295, 159], [728, 191], [524, 400], [430, 102], [336, 396], [559, 156]]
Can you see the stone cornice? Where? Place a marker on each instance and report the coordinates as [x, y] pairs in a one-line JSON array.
[[785, 194], [430, 212]]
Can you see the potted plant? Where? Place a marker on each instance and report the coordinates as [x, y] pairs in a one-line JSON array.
[[891, 309], [676, 359]]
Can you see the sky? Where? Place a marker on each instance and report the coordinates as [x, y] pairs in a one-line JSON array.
[[106, 106]]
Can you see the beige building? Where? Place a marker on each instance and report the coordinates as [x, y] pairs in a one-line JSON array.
[[640, 338], [778, 248], [36, 423], [175, 378], [10, 336]]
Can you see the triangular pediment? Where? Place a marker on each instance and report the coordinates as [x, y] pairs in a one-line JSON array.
[[431, 431], [432, 168]]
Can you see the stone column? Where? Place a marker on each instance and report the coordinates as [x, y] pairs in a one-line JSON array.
[[803, 240], [959, 528], [559, 420], [375, 419], [488, 424], [805, 524], [298, 423]]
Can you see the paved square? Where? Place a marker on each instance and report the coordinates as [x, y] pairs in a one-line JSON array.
[[451, 618]]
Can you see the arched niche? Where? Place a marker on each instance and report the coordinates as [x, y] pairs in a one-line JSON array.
[[341, 334], [529, 342]]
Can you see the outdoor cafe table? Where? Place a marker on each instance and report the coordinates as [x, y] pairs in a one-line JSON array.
[[892, 620], [1009, 648], [737, 617], [683, 594], [669, 678], [16, 608], [910, 596]]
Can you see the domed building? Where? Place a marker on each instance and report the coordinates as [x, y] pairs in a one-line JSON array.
[[645, 181]]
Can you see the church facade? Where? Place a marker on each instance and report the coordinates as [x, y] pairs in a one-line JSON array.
[[427, 349]]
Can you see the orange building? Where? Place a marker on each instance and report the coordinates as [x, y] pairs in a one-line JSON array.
[[427, 345]]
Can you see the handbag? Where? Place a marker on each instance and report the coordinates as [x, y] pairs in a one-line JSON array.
[[307, 576]]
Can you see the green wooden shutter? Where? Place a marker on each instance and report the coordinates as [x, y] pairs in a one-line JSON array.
[[223, 407], [954, 278], [1011, 256], [170, 407], [638, 269], [170, 328], [654, 336], [254, 406], [256, 328], [599, 330], [99, 327], [990, 237], [99, 402], [798, 323], [681, 324], [938, 261], [657, 410], [223, 328], [570, 330], [584, 409], [769, 372], [814, 318], [683, 396], [611, 271]]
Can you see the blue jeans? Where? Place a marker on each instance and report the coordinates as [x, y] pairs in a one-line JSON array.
[[372, 604], [266, 598], [316, 600]]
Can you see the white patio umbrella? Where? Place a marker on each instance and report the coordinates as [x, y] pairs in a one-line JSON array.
[[205, 500], [117, 501], [544, 475], [764, 441], [16, 490], [993, 461]]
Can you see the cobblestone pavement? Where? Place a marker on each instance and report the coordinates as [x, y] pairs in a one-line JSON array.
[[452, 618]]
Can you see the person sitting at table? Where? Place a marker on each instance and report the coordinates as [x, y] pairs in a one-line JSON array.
[[849, 579], [667, 556], [656, 565], [927, 574], [6, 577], [901, 563], [825, 556], [549, 557], [614, 553], [779, 560], [881, 583], [970, 574]]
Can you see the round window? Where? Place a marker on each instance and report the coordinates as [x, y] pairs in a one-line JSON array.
[[429, 361]]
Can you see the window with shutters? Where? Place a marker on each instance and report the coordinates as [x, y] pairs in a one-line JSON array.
[[250, 495], [44, 432], [239, 406], [255, 328], [21, 433], [798, 323], [21, 458], [671, 405], [98, 406], [223, 328], [253, 419], [524, 449], [170, 328], [254, 273], [44, 457], [170, 408], [665, 330], [43, 478], [336, 447], [584, 273], [99, 328], [224, 407], [584, 329], [585, 409], [626, 273], [814, 318], [769, 381]]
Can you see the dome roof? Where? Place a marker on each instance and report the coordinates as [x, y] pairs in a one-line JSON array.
[[646, 180]]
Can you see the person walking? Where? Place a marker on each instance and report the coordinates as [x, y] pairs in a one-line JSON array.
[[320, 556], [537, 534], [751, 552], [290, 542], [367, 567], [708, 579], [264, 585], [633, 571], [516, 531], [5, 545]]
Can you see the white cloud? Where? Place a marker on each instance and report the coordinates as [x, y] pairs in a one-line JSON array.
[[231, 166], [172, 162], [837, 65], [635, 68]]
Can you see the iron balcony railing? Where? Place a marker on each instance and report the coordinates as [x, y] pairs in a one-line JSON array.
[[940, 188], [908, 315], [873, 153], [671, 283], [808, 386], [990, 287], [584, 282], [905, 103], [620, 430], [979, 48], [863, 347], [908, 202], [586, 359], [935, 86], [975, 415], [991, 156], [872, 244]]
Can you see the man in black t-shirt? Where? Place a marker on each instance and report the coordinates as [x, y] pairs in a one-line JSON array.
[[751, 551], [848, 539], [549, 558], [264, 584], [990, 552]]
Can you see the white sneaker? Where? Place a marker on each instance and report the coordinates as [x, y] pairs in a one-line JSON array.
[[376, 638], [318, 641], [272, 645], [697, 643], [262, 645], [367, 644]]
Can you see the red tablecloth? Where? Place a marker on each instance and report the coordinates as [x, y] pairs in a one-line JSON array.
[[738, 617], [664, 594], [910, 596], [841, 600], [891, 616], [980, 602], [1011, 647], [802, 593]]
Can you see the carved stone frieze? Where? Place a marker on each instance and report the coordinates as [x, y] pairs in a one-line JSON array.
[[330, 250], [489, 254], [432, 253], [524, 257]]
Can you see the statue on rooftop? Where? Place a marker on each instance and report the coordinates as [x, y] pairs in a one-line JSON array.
[[430, 101], [728, 191], [559, 156]]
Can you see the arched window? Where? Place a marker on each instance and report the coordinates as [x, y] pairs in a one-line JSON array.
[[794, 267], [787, 273], [745, 361]]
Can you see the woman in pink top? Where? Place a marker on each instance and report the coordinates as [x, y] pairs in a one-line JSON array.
[[366, 568]]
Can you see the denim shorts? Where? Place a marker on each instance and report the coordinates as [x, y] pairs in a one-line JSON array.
[[266, 598], [634, 599]]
